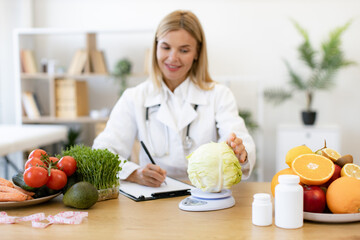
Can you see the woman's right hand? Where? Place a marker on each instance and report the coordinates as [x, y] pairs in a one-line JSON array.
[[150, 175]]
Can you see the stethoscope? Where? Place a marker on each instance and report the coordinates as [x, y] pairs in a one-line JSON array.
[[188, 142]]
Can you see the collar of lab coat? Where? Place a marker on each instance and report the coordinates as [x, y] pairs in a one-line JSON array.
[[194, 96]]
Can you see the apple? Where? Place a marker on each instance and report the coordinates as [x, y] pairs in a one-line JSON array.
[[336, 175], [314, 199]]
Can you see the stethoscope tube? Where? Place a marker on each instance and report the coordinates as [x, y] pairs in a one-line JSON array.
[[188, 141]]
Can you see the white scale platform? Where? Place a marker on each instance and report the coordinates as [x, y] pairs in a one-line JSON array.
[[203, 201]]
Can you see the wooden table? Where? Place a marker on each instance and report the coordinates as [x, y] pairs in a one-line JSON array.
[[14, 138], [124, 218]]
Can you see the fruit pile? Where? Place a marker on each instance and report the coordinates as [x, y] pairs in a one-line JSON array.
[[331, 182]]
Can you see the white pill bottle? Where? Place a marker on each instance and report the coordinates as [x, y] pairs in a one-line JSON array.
[[289, 202], [262, 210]]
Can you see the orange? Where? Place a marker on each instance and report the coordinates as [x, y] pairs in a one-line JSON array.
[[331, 154], [295, 152], [351, 170], [343, 195], [313, 169], [275, 180]]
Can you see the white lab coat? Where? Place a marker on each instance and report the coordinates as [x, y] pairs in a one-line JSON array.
[[215, 118]]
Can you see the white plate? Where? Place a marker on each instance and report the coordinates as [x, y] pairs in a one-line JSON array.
[[332, 218], [28, 202]]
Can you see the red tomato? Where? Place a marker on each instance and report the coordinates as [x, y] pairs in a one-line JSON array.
[[53, 159], [34, 162], [36, 176], [57, 179], [67, 164], [37, 153]]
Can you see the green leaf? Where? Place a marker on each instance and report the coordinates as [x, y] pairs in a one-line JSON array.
[[122, 68], [277, 95], [99, 167], [322, 79], [307, 52], [295, 80], [333, 56]]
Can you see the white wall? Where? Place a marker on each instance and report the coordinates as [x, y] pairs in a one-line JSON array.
[[13, 14], [246, 38]]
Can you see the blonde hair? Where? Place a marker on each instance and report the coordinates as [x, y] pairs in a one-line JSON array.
[[188, 21]]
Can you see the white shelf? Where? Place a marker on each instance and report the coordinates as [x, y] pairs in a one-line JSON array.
[[45, 76], [43, 84], [48, 119], [62, 31]]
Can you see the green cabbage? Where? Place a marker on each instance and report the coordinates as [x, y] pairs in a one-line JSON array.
[[213, 167]]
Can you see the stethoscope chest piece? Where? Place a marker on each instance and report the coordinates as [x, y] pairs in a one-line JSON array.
[[188, 143]]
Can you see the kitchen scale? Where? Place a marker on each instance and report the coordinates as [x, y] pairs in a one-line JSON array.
[[204, 201]]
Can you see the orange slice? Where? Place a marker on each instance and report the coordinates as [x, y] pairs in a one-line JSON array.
[[295, 152], [313, 169], [351, 170], [331, 154]]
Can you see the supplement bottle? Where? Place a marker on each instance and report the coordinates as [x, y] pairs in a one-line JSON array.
[[289, 202], [262, 209]]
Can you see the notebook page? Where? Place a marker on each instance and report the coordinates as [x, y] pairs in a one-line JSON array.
[[137, 190]]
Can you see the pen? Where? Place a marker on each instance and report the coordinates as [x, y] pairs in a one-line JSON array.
[[149, 155]]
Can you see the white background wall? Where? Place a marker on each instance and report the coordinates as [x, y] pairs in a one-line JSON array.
[[247, 39]]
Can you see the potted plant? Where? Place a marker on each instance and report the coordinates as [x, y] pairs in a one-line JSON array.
[[323, 65], [121, 71]]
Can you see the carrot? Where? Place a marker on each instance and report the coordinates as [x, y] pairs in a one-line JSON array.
[[5, 182], [24, 191], [12, 197], [6, 189]]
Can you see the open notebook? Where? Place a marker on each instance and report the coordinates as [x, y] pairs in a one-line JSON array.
[[173, 188]]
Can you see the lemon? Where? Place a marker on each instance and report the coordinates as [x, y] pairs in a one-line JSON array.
[[331, 154], [351, 170], [295, 152]]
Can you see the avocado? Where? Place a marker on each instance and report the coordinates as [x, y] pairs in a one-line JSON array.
[[81, 195]]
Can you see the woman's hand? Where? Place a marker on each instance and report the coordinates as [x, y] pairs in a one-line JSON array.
[[238, 147], [150, 175]]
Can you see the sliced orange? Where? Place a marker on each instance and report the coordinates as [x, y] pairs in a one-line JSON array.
[[331, 154], [313, 169], [295, 152], [351, 170]]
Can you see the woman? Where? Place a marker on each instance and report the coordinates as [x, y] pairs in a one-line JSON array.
[[175, 111]]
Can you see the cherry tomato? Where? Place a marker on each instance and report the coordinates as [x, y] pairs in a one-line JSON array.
[[36, 176], [34, 162], [57, 179], [37, 153], [67, 164], [53, 159]]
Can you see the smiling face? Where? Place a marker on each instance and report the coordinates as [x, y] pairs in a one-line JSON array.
[[176, 52]]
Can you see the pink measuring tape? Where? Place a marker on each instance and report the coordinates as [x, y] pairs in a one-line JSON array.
[[68, 217]]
